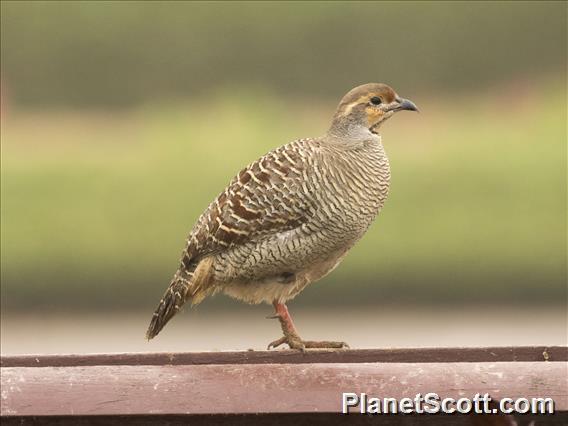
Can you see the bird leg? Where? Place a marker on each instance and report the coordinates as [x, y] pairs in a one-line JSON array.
[[291, 337]]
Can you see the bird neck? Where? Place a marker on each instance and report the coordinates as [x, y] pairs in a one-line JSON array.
[[349, 131], [352, 140]]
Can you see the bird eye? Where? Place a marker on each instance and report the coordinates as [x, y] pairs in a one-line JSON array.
[[375, 100]]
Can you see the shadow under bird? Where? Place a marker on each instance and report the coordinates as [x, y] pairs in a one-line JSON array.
[[290, 217]]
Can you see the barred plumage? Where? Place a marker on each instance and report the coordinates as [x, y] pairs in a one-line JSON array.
[[288, 219]]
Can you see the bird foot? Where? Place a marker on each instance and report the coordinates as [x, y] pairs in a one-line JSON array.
[[295, 342]]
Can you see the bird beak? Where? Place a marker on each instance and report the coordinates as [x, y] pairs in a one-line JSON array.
[[407, 105]]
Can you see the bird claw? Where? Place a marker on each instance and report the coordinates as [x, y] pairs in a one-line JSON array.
[[291, 337], [326, 345], [275, 316], [302, 345], [277, 342]]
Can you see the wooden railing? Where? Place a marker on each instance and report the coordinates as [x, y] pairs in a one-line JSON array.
[[273, 387]]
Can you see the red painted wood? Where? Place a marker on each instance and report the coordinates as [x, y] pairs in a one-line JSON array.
[[415, 355], [261, 388]]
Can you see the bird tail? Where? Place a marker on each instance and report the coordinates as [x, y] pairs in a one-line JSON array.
[[183, 287]]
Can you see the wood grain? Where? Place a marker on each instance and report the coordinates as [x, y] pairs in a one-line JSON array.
[[414, 355], [276, 387], [264, 388]]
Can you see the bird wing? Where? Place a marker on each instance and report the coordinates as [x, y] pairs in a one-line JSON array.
[[269, 196]]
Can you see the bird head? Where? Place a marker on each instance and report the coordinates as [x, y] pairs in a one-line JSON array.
[[365, 108]]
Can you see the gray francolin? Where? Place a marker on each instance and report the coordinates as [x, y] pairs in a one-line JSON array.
[[290, 217]]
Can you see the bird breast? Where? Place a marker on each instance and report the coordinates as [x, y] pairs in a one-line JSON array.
[[359, 185], [342, 189]]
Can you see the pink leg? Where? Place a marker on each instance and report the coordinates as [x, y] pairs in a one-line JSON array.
[[291, 337], [281, 311]]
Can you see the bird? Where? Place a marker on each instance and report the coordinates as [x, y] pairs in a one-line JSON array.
[[290, 217]]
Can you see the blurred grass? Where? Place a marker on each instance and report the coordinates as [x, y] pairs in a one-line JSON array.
[[95, 206]]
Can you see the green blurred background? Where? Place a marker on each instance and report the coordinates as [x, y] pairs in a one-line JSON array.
[[121, 121]]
